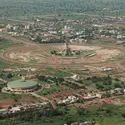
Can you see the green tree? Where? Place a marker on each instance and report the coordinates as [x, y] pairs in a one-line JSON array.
[[38, 39]]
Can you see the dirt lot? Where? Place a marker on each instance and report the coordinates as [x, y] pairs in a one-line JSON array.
[[103, 55], [82, 47], [7, 103], [25, 99], [99, 102], [41, 54]]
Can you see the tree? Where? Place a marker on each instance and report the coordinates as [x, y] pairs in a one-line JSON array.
[[81, 111], [123, 115], [53, 52], [118, 85], [9, 75], [69, 119], [38, 39]]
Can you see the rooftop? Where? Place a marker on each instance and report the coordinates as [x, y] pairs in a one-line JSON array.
[[22, 83]]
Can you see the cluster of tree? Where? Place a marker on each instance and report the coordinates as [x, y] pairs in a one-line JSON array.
[[106, 82], [2, 39], [31, 7], [63, 115], [48, 78], [1, 87], [47, 116], [57, 80], [53, 52], [9, 75]]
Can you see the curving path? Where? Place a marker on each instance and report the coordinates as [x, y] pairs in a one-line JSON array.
[[29, 44]]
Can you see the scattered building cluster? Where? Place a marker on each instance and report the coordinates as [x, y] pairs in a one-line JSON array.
[[54, 31], [23, 107], [83, 123], [67, 100]]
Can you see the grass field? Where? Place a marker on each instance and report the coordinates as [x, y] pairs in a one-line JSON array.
[[53, 88], [5, 96], [3, 64], [80, 72], [6, 43], [58, 73], [3, 45], [113, 121], [110, 114]]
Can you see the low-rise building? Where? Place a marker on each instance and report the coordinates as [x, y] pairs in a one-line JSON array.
[[67, 100]]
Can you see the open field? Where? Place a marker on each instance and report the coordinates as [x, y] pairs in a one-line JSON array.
[[4, 45], [31, 54], [7, 100], [6, 96], [56, 73], [38, 57], [50, 89]]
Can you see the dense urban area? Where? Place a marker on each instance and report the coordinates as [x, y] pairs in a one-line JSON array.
[[62, 62]]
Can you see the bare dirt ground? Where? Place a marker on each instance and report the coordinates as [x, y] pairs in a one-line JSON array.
[[82, 47], [99, 102], [41, 54], [23, 100], [103, 55], [38, 56], [7, 103]]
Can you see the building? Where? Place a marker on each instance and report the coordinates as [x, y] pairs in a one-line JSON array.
[[84, 123], [22, 86], [15, 109], [67, 100]]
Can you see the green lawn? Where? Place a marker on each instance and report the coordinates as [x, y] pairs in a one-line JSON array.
[[58, 73], [3, 45], [52, 89], [111, 114], [11, 96], [5, 96], [80, 72], [112, 121], [3, 64], [6, 43]]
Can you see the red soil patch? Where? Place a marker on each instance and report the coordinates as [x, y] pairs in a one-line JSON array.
[[99, 102], [97, 124], [7, 103], [60, 94], [64, 86]]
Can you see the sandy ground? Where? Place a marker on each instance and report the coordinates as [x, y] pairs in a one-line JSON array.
[[24, 57], [20, 69], [82, 47], [34, 54], [105, 53]]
